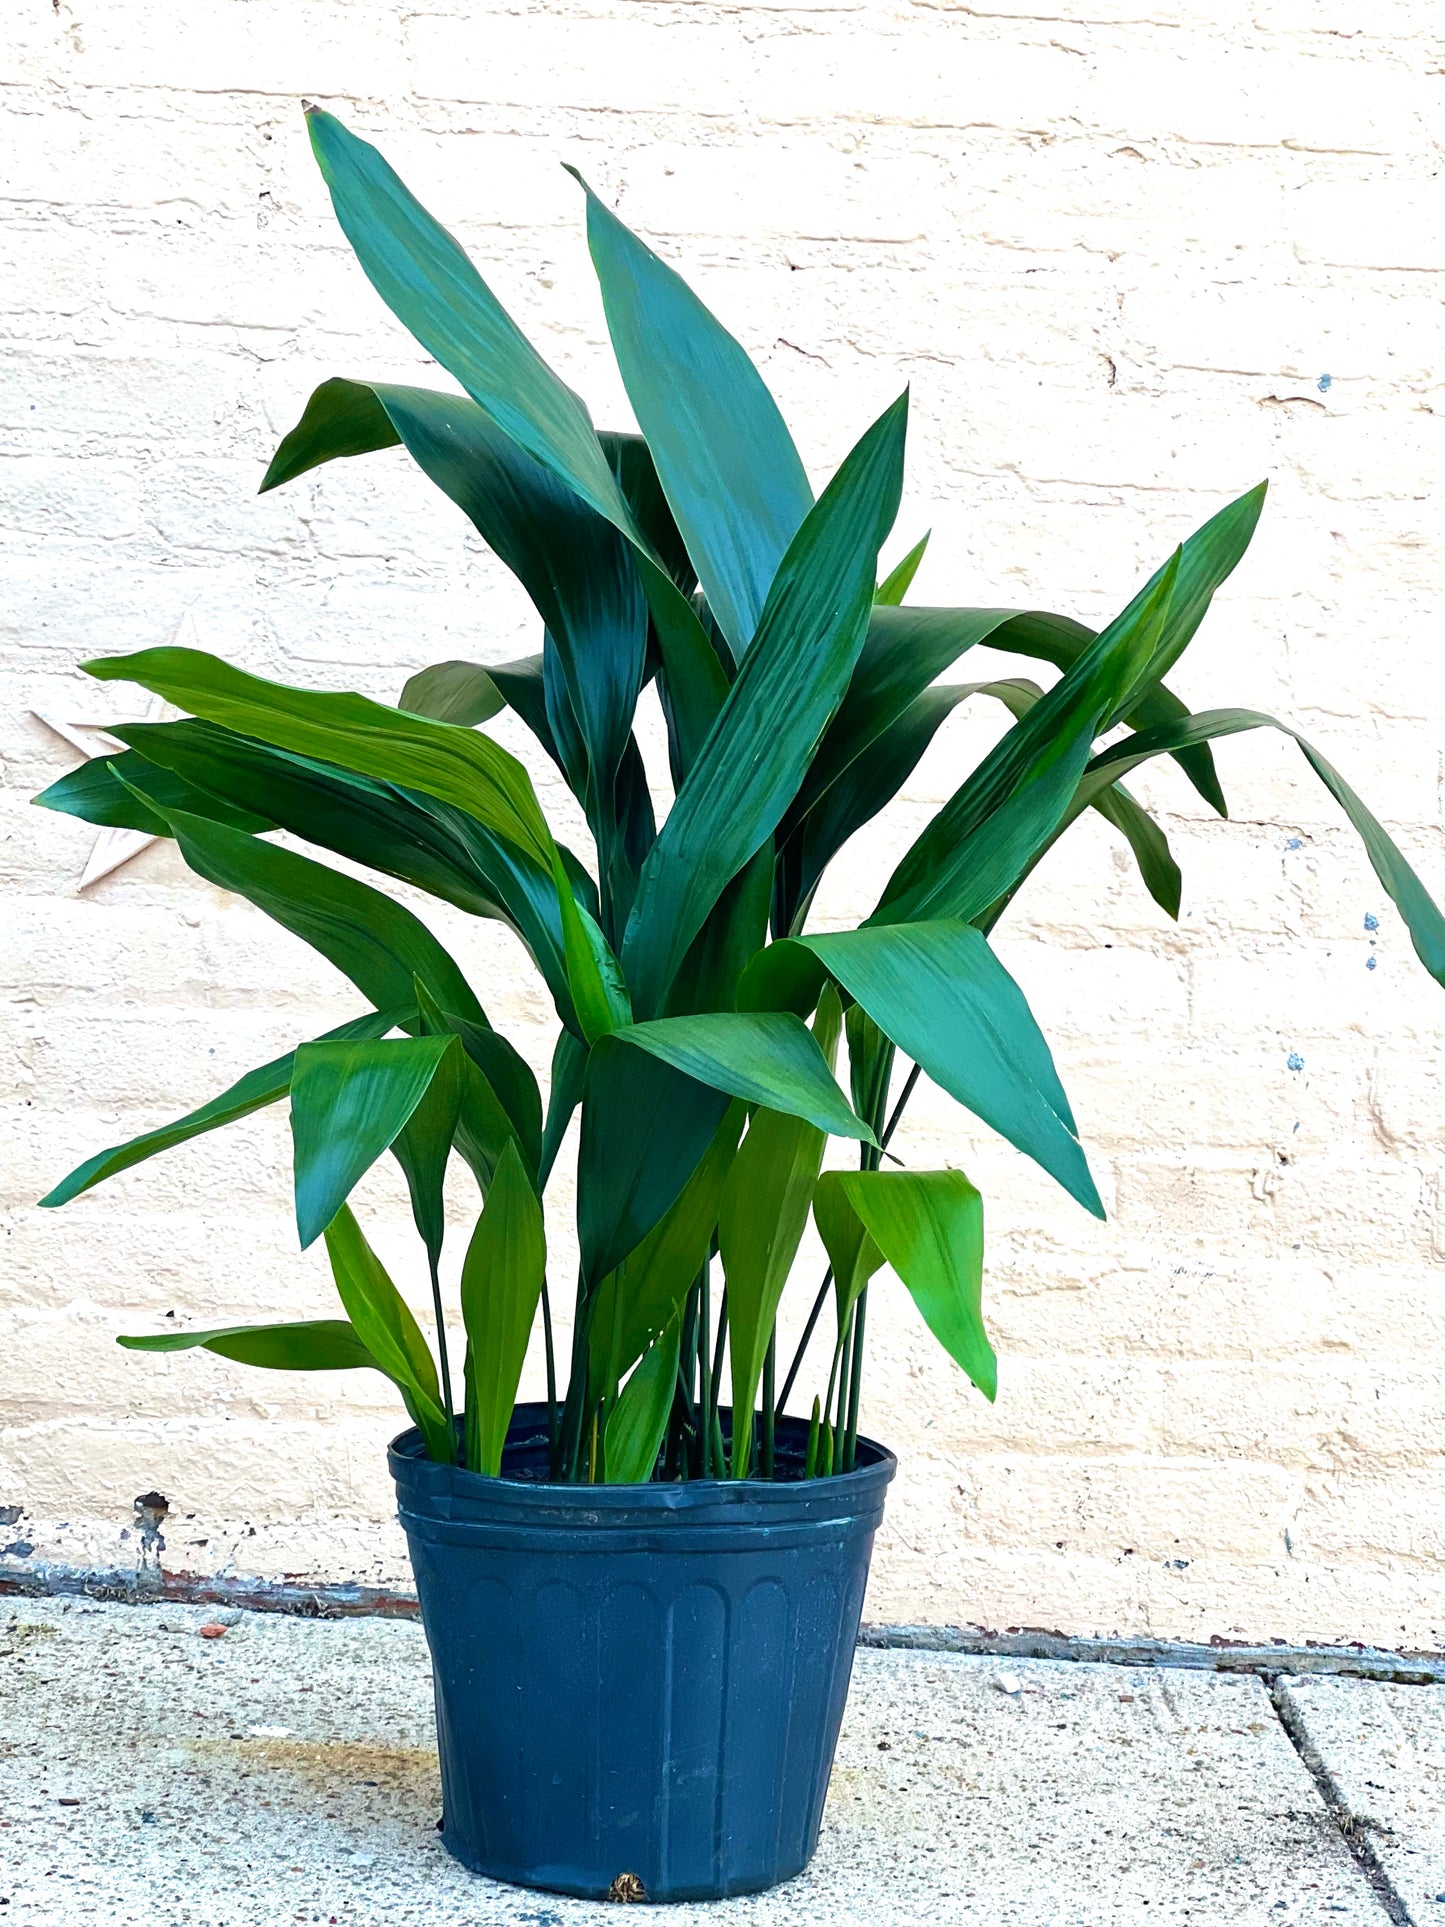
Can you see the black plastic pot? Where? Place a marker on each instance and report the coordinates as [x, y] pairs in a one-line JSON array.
[[641, 1680]]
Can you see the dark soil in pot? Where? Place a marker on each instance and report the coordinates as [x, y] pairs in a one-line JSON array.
[[637, 1686]]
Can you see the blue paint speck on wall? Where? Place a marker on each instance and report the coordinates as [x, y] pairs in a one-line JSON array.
[[1370, 962], [1294, 843], [1372, 922], [1325, 383], [1294, 1061]]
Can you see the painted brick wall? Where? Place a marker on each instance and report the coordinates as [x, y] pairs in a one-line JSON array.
[[1131, 256]]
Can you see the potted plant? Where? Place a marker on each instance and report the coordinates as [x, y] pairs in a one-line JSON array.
[[642, 1593]]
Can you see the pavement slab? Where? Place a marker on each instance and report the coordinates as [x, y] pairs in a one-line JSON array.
[[284, 1771], [1381, 1751]]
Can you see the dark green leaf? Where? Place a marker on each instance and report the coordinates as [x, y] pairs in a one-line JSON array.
[[761, 1219], [1403, 887], [457, 765], [423, 1146], [432, 288], [790, 682], [385, 1326], [341, 418], [310, 1345], [929, 1226], [250, 1093], [429, 843], [502, 1277], [725, 459], [637, 1423], [645, 1128], [376, 943], [348, 1103], [765, 1057], [851, 1250], [452, 692], [984, 837], [946, 1001], [637, 1300], [896, 584], [99, 792], [569, 1077]]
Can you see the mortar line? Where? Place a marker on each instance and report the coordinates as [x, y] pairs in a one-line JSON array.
[[1352, 1832], [344, 1600]]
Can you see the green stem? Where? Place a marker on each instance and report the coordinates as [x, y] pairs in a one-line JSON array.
[[704, 1376], [574, 1411], [553, 1434], [766, 1444], [441, 1323], [855, 1380]]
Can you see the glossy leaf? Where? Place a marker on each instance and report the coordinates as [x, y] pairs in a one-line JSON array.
[[442, 1117], [379, 945], [266, 1085], [512, 1105], [727, 464], [433, 290], [984, 837], [941, 994], [310, 1345], [645, 1128], [98, 792], [929, 1227], [441, 849], [789, 684], [502, 1277], [637, 1423], [637, 1300], [899, 580], [459, 766], [766, 1057], [385, 1326], [452, 692], [594, 976], [569, 1077], [761, 1220], [349, 1102], [1399, 881], [850, 1247]]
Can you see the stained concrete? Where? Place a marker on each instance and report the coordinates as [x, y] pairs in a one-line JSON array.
[[1381, 1750], [284, 1772]]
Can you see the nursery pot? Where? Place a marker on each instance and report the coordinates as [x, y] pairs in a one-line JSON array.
[[638, 1687]]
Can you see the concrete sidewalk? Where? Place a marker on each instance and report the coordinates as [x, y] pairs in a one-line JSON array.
[[284, 1771]]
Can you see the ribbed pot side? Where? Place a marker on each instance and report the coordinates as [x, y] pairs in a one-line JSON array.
[[642, 1680]]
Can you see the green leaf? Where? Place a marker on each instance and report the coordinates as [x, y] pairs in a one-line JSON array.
[[443, 1117], [896, 584], [761, 1220], [311, 1345], [459, 766], [594, 976], [433, 290], [500, 1099], [984, 837], [452, 692], [645, 1129], [635, 1302], [342, 418], [766, 1057], [929, 1227], [569, 1077], [439, 848], [941, 994], [637, 1423], [385, 1326], [1397, 878], [727, 464], [790, 682], [851, 1250], [99, 792], [349, 1102], [502, 1277], [250, 1093], [376, 943]]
